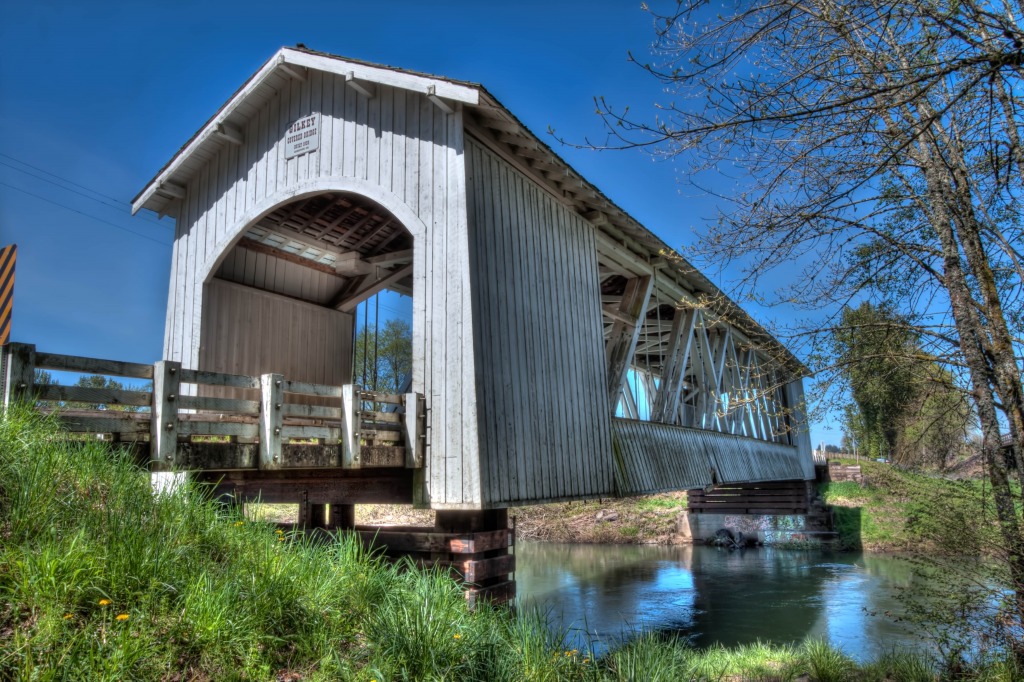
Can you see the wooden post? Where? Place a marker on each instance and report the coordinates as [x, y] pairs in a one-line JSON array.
[[621, 344], [342, 517], [350, 405], [163, 425], [271, 420], [20, 376], [413, 430]]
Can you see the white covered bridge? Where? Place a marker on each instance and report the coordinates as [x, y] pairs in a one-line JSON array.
[[540, 312]]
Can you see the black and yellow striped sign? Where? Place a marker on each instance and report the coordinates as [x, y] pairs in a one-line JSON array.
[[7, 256]]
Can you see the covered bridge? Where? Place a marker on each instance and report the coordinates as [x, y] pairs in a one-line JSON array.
[[560, 350]]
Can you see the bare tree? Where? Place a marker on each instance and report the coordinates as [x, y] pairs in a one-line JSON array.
[[885, 134]]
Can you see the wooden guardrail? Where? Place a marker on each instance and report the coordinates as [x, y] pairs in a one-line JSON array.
[[188, 424]]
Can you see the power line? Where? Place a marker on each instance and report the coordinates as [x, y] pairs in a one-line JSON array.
[[118, 203], [87, 215]]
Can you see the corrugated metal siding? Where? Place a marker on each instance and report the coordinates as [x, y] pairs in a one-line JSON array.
[[652, 458], [401, 143], [252, 332], [544, 434]]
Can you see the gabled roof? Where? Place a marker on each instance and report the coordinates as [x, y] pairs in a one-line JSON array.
[[484, 113]]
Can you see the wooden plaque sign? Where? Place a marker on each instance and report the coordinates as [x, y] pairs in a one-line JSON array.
[[303, 136]]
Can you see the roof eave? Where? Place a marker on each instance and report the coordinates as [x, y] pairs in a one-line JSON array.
[[162, 189]]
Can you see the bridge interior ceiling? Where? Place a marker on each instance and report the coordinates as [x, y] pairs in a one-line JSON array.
[[674, 361], [334, 249]]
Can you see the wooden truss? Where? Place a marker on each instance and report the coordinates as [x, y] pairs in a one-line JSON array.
[[671, 360]]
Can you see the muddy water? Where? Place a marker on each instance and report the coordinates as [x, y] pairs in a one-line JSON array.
[[601, 592]]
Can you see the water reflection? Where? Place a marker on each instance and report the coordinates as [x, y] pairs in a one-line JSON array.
[[712, 595]]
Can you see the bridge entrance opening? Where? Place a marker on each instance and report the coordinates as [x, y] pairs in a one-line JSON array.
[[285, 298]]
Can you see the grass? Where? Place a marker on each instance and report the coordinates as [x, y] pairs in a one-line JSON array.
[[899, 510], [100, 579]]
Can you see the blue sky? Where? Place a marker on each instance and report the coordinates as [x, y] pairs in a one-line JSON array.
[[96, 96]]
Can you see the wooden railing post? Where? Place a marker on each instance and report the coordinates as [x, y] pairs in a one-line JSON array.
[[414, 431], [350, 407], [163, 425], [21, 372], [271, 420]]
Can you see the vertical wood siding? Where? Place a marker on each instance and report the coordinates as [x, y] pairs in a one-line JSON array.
[[544, 432], [246, 331], [652, 458], [278, 276], [401, 143]]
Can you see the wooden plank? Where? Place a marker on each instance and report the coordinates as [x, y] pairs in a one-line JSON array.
[[349, 303], [99, 396], [458, 543], [321, 486], [201, 428], [349, 428], [622, 345], [390, 398], [494, 594], [386, 417], [165, 424], [271, 420], [206, 456], [378, 434], [107, 424], [189, 402], [304, 388], [413, 431], [476, 570], [219, 379], [310, 456], [310, 432], [74, 363], [381, 456], [317, 411]]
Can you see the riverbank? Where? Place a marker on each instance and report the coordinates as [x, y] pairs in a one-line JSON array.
[[893, 511], [102, 580]]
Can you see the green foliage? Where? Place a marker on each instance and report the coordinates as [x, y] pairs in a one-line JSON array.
[[906, 407], [827, 663], [100, 579], [383, 356]]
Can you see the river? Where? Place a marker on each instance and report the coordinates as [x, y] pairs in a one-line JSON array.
[[599, 593]]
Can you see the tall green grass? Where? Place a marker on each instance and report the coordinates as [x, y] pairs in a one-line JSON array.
[[100, 579]]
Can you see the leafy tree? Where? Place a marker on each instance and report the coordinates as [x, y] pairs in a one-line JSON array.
[[383, 358], [888, 135], [876, 355]]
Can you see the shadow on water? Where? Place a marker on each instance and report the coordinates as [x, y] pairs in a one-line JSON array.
[[601, 593]]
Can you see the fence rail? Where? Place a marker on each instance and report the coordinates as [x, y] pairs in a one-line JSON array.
[[188, 425]]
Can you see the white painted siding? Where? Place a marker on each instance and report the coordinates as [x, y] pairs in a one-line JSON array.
[[544, 432], [653, 458], [397, 148]]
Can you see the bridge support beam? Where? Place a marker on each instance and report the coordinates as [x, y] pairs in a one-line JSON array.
[[666, 402], [621, 344]]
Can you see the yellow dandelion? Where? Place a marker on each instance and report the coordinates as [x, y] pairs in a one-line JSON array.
[[575, 651], [104, 602], [68, 616], [239, 523], [586, 660], [456, 636], [122, 616], [280, 538], [279, 531]]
